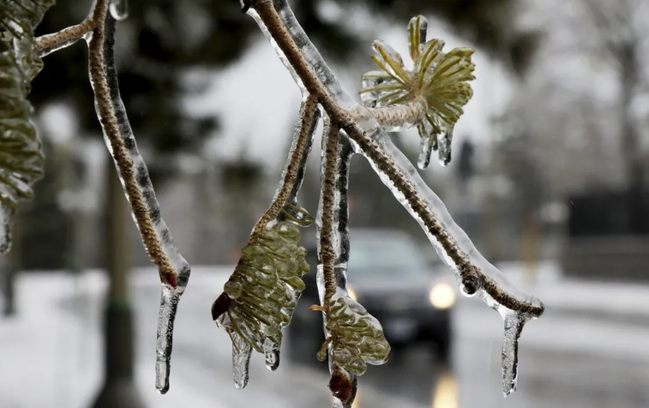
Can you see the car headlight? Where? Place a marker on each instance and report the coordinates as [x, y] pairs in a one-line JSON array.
[[352, 293], [442, 295]]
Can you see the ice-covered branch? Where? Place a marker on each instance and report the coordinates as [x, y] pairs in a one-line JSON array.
[[353, 337], [49, 43], [476, 275], [174, 271], [326, 248], [295, 165]]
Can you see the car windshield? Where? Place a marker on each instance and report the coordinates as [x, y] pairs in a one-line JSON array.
[[386, 257]]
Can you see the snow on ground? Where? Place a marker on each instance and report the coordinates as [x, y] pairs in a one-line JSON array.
[[36, 346]]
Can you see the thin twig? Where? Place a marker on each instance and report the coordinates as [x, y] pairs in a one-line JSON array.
[[327, 197], [308, 113], [49, 43]]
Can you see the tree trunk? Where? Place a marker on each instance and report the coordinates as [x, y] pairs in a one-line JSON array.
[[119, 388]]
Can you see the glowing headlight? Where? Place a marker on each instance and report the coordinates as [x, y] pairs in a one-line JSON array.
[[351, 293], [442, 295]]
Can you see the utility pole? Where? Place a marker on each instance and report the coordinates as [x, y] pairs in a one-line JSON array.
[[119, 388]]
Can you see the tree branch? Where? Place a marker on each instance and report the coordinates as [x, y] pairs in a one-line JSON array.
[[294, 164], [49, 43], [471, 275]]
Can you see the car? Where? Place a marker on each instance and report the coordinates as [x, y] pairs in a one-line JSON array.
[[390, 275]]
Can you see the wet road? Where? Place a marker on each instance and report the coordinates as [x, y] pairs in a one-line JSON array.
[[567, 362]]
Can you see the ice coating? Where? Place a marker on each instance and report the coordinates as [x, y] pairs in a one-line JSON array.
[[444, 141], [360, 339], [305, 45], [379, 141], [49, 43], [169, 298], [280, 53], [120, 141], [394, 164], [241, 352], [513, 323], [271, 355], [426, 147], [119, 9], [476, 275], [302, 139], [58, 46]]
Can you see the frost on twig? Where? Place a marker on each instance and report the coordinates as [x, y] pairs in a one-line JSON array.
[[260, 296], [98, 29], [475, 274]]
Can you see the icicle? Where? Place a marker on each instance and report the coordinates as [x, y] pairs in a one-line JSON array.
[[513, 322], [164, 341], [241, 352], [271, 353], [120, 141], [425, 152], [444, 140], [119, 9]]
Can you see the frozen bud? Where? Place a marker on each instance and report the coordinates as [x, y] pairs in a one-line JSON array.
[[220, 305], [340, 386]]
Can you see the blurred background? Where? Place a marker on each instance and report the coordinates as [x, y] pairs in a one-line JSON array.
[[548, 178]]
